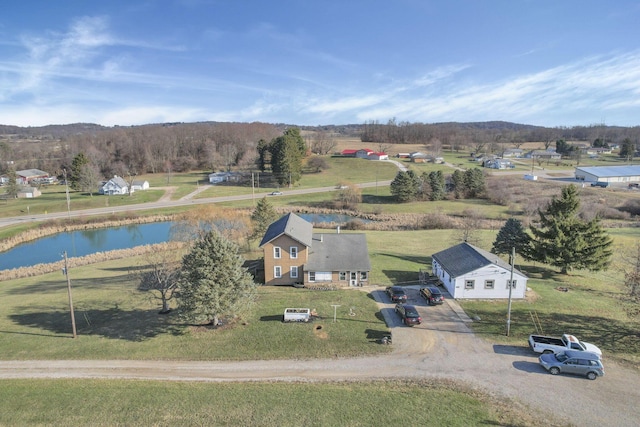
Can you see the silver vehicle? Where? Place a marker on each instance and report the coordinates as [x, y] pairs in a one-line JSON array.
[[573, 362]]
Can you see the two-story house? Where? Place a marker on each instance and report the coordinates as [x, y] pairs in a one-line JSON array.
[[293, 254]]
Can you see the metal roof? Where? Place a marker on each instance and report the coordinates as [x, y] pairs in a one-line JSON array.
[[338, 252], [611, 171]]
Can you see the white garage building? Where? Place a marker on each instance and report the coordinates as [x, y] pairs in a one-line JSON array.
[[611, 174]]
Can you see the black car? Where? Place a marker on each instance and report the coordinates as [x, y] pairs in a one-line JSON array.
[[409, 314], [397, 294], [432, 294]]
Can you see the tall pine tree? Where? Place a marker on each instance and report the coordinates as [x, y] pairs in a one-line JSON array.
[[263, 215], [562, 239], [512, 235], [405, 186], [213, 281]]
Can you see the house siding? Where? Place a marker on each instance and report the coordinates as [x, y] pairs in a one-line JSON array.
[[285, 261], [456, 286]]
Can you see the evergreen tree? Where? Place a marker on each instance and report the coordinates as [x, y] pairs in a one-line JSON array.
[[12, 186], [437, 184], [405, 186], [512, 235], [287, 152], [564, 240], [264, 157], [474, 183], [457, 181], [262, 216], [627, 149], [78, 165], [213, 282]]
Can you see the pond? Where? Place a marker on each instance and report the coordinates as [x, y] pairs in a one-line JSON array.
[[84, 242]]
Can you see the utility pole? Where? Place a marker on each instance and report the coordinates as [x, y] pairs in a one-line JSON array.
[[66, 273], [513, 259]]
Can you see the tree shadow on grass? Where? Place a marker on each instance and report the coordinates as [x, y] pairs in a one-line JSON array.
[[540, 272], [48, 286], [114, 323]]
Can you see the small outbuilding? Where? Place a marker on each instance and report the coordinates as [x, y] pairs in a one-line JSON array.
[[467, 271], [139, 185]]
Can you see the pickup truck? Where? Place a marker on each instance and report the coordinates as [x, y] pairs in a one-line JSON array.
[[297, 315], [542, 344]]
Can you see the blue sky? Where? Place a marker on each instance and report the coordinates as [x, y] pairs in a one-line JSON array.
[[548, 63]]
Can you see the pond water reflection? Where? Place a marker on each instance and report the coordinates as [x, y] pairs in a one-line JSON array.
[[84, 242]]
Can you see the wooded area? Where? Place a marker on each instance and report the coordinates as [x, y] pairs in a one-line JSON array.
[[217, 146]]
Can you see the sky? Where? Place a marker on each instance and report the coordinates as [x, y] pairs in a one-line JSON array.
[[320, 62]]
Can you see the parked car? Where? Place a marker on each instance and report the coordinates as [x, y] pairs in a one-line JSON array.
[[602, 184], [409, 314], [573, 362], [276, 193], [397, 294], [432, 294], [545, 344]]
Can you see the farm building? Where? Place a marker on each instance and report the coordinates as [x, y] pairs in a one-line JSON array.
[[611, 174], [473, 273], [28, 175]]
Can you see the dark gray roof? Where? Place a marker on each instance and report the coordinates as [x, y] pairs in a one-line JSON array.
[[338, 252], [611, 171], [291, 225], [465, 258]]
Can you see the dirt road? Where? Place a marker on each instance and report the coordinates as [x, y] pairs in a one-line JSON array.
[[442, 347]]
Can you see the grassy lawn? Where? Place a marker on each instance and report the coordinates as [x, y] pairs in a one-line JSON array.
[[115, 321], [144, 403]]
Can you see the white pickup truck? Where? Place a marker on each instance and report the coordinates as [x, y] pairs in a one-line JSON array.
[[543, 344], [296, 315]]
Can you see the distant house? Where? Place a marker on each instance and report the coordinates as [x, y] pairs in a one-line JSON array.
[[543, 155], [28, 175], [513, 152], [470, 272], [365, 153], [116, 185], [139, 185], [293, 254], [597, 151], [378, 156], [498, 164]]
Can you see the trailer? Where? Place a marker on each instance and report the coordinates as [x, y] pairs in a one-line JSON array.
[[296, 315]]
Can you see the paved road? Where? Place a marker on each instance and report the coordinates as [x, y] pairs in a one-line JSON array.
[[442, 347], [164, 203]]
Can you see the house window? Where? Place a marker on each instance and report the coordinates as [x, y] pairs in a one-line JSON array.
[[343, 276], [277, 252], [293, 252], [293, 271], [468, 284], [364, 275], [489, 284], [277, 272], [319, 276], [512, 282]]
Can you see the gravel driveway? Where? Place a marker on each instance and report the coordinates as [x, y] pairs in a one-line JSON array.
[[442, 347]]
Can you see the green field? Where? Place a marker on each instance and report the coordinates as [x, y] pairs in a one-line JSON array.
[[146, 403]]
